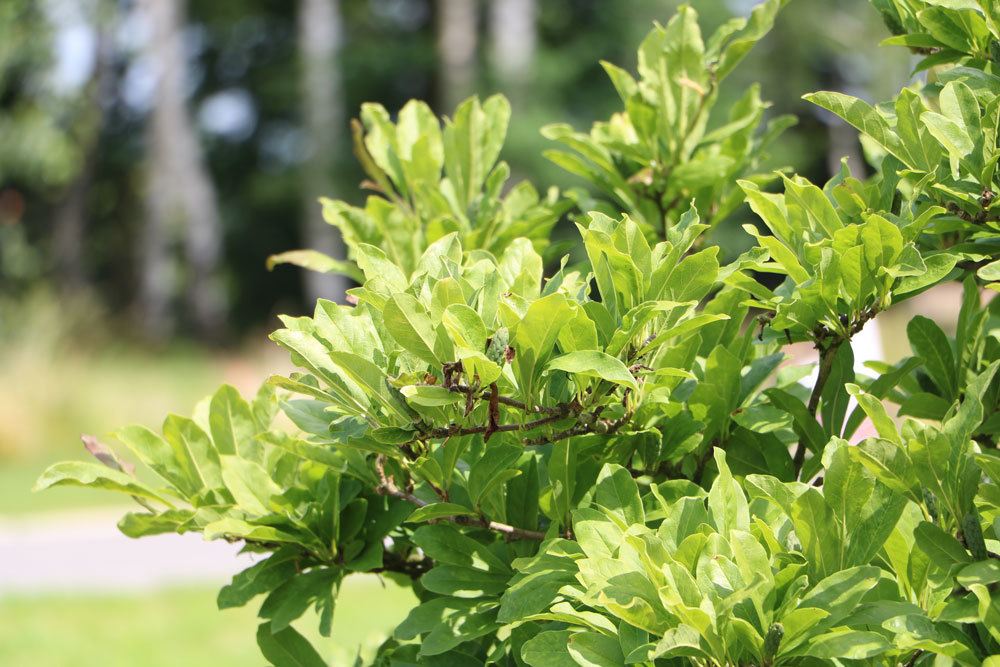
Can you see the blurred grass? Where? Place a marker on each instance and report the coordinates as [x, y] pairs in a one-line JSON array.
[[60, 377], [181, 627]]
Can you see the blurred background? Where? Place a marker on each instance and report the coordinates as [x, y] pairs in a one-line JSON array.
[[153, 153]]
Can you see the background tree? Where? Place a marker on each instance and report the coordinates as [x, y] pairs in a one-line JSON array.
[[458, 43], [179, 192], [320, 35], [513, 41]]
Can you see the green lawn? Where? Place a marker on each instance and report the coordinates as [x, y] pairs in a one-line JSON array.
[[179, 627]]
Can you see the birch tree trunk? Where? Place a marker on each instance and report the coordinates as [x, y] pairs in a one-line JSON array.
[[457, 30], [180, 193], [320, 37], [513, 39]]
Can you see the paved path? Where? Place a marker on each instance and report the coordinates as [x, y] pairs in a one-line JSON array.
[[84, 551]]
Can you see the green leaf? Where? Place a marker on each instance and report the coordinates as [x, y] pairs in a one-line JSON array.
[[592, 649], [591, 363], [617, 491], [862, 116], [95, 475], [261, 577], [847, 644], [492, 470], [409, 323], [250, 484], [990, 272], [943, 549], [949, 134], [445, 544], [726, 500], [173, 464], [876, 412], [839, 594], [879, 389], [759, 23], [292, 598], [465, 327], [315, 261], [287, 648], [141, 524], [932, 346], [438, 511], [804, 423], [232, 424], [184, 434], [464, 582], [816, 528], [234, 528], [814, 205], [535, 337], [549, 649]]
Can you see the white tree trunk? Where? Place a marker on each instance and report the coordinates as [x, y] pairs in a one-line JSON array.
[[513, 39], [458, 38], [320, 37], [180, 192]]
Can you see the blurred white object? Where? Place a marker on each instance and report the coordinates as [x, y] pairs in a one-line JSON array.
[[84, 551]]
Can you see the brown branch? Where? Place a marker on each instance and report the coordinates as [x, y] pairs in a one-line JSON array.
[[458, 429], [414, 569], [827, 352], [561, 409], [826, 358], [387, 487]]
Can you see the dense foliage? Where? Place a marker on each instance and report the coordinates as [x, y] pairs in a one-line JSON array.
[[613, 464]]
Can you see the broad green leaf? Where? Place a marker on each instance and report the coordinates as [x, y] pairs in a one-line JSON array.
[[287, 648], [839, 594], [876, 412], [234, 528], [493, 469], [465, 327], [816, 527], [943, 549], [931, 345], [232, 425], [250, 484], [409, 323], [464, 582], [592, 649], [261, 577], [862, 116], [184, 433], [592, 363], [535, 338], [847, 644], [445, 544], [726, 500], [617, 492], [549, 649], [315, 261], [173, 464], [95, 475]]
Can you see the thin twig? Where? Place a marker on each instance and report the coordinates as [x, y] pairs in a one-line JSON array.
[[458, 429], [562, 408], [388, 487]]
